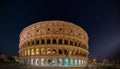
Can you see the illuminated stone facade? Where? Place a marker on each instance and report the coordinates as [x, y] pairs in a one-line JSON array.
[[53, 43]]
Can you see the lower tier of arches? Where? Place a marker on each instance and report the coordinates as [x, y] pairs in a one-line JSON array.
[[54, 62]]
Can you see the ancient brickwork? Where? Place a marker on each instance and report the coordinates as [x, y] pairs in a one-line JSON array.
[[54, 43]]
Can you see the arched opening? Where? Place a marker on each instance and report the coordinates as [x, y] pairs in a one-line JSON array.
[[22, 53], [32, 42], [37, 51], [32, 52], [48, 51], [71, 42], [42, 51], [32, 61], [54, 41], [80, 53], [28, 61], [21, 61], [37, 42], [66, 52], [25, 52], [74, 52], [54, 61], [60, 62], [66, 42], [28, 53], [42, 41], [60, 51], [37, 61], [42, 62], [71, 62], [60, 41], [76, 62], [54, 52], [79, 62], [48, 62], [48, 41], [75, 43], [85, 62], [77, 52], [82, 62], [70, 52], [65, 62]]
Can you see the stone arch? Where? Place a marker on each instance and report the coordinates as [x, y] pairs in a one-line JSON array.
[[49, 51], [60, 41], [41, 32], [80, 53], [42, 62], [71, 42], [54, 52], [37, 52], [77, 52], [32, 51], [54, 41], [66, 62], [32, 61], [79, 61], [42, 51], [21, 61], [48, 41], [65, 41], [82, 61], [37, 41], [54, 61], [74, 52], [32, 42], [85, 62], [59, 51], [37, 61], [28, 61], [42, 41], [66, 52], [48, 61], [71, 62], [70, 52], [60, 62], [75, 62], [28, 52]]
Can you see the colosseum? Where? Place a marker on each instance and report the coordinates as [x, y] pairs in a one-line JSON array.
[[53, 43]]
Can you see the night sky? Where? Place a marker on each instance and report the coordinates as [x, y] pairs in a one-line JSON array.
[[100, 18]]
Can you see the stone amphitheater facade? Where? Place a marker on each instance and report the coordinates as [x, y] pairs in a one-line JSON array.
[[53, 43]]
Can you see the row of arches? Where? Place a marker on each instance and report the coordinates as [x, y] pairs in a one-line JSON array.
[[53, 51], [53, 41], [54, 62]]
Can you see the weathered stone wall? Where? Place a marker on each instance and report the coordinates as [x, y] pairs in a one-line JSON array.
[[57, 35]]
